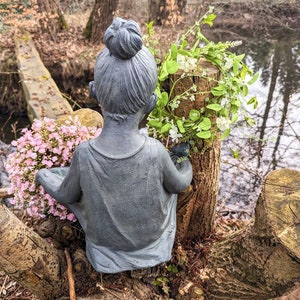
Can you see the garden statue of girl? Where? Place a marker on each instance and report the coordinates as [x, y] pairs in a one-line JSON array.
[[122, 185]]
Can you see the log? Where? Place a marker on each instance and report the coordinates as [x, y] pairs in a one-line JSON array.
[[29, 259], [261, 261]]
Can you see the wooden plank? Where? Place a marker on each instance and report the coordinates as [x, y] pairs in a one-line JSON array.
[[41, 93]]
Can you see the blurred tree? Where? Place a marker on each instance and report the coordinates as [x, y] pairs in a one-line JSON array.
[[171, 11], [51, 18], [100, 19]]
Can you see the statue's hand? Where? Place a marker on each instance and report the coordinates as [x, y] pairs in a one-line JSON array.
[[181, 150]]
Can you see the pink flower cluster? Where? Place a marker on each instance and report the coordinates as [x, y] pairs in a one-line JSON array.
[[46, 145]]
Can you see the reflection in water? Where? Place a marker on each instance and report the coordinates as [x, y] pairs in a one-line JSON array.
[[275, 140]]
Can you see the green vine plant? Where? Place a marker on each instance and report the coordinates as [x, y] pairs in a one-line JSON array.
[[223, 102]]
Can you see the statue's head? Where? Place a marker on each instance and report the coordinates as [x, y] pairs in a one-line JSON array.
[[125, 73]]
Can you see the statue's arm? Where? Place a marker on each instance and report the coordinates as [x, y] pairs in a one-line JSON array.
[[176, 176], [63, 184]]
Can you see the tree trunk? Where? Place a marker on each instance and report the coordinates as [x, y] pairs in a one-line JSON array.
[[29, 259], [171, 11], [100, 19], [197, 206], [51, 18], [262, 261]]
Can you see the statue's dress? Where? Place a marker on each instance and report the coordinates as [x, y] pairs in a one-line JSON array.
[[126, 204]]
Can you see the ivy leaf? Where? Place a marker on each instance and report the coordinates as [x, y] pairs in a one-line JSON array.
[[254, 78], [219, 90], [194, 115], [180, 126], [209, 19], [204, 134], [155, 124], [165, 128], [253, 101], [235, 67], [174, 52], [243, 72], [239, 58], [245, 90], [225, 134], [163, 72], [205, 124], [171, 66], [214, 107], [163, 101], [234, 118]]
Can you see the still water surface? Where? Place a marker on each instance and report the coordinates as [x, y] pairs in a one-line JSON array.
[[274, 142]]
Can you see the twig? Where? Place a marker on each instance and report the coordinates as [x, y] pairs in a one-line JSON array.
[[3, 285], [70, 276], [102, 288]]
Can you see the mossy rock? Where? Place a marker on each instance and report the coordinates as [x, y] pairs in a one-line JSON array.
[[87, 117]]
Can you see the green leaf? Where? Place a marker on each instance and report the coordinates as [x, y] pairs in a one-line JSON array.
[[249, 121], [235, 153], [235, 67], [194, 115], [214, 106], [239, 58], [163, 101], [209, 19], [254, 78], [174, 52], [234, 118], [205, 124], [155, 123], [219, 90], [165, 128], [171, 66], [245, 90], [183, 44], [163, 72], [225, 134], [180, 126], [243, 72], [253, 101], [172, 268], [204, 134]]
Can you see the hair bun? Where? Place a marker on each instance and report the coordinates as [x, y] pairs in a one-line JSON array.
[[123, 38]]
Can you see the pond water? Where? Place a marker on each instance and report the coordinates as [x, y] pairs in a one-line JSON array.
[[274, 142]]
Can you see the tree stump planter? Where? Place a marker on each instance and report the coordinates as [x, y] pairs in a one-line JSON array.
[[197, 206]]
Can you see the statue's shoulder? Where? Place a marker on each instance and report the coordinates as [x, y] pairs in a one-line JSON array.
[[83, 146], [156, 144]]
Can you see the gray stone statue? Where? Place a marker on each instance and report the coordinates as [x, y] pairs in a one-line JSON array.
[[123, 185]]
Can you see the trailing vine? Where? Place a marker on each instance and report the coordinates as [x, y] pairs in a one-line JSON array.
[[189, 60]]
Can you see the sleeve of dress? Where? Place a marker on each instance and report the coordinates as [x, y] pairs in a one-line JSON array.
[[63, 184], [176, 176]]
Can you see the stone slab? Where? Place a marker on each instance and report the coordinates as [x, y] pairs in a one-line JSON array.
[[41, 93]]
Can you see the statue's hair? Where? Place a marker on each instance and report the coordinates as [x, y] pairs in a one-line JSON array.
[[125, 73]]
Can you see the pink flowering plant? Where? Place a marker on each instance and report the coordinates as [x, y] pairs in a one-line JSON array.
[[46, 145]]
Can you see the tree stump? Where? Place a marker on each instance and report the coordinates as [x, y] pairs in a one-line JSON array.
[[197, 206], [263, 260]]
